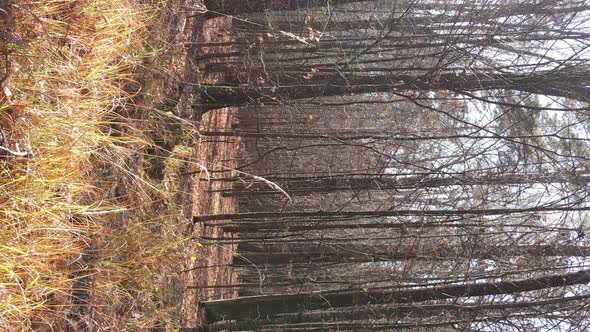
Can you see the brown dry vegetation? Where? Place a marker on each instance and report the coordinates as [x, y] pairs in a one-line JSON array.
[[91, 152]]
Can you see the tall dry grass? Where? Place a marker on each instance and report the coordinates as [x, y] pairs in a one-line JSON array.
[[75, 250]]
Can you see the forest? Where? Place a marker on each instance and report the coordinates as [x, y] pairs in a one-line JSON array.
[[404, 165], [295, 165]]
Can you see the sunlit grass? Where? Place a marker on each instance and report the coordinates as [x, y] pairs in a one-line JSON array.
[[70, 62]]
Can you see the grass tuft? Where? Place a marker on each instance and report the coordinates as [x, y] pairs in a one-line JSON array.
[[87, 237]]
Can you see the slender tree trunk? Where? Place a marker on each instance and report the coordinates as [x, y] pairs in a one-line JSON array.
[[237, 7], [271, 305], [350, 252], [560, 84], [382, 213], [416, 310], [385, 182]]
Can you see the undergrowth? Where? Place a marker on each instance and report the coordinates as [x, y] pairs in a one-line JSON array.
[[87, 237]]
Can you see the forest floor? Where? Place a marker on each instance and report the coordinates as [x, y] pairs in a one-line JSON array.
[[206, 269]]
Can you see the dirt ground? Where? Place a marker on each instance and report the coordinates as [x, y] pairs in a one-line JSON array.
[[206, 264], [206, 268]]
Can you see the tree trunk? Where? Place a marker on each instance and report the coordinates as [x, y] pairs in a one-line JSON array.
[[271, 305], [237, 7], [381, 213], [349, 252], [401, 311], [388, 182], [555, 83]]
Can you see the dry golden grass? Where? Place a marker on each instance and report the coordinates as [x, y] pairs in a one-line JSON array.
[[74, 248]]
